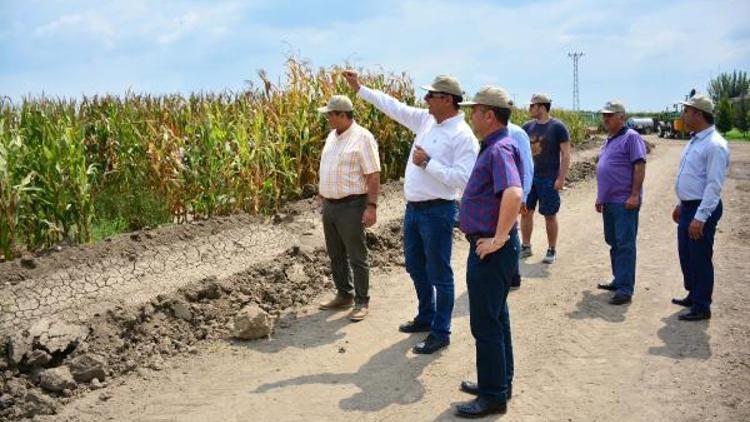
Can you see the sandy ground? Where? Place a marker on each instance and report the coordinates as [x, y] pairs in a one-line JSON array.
[[577, 358]]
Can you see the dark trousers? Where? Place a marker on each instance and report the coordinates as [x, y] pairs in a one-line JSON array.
[[696, 255], [516, 241], [620, 232], [488, 282], [428, 243], [347, 247]]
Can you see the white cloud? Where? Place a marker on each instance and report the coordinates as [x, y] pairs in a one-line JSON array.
[[87, 23], [641, 50]]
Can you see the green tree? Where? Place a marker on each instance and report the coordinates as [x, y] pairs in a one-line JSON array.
[[729, 85], [724, 116], [740, 116]]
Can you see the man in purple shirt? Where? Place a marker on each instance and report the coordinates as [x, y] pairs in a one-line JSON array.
[[490, 204], [619, 176]]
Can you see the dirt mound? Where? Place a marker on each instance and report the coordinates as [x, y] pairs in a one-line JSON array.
[[126, 339]]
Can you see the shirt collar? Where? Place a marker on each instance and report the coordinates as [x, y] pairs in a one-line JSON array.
[[453, 120], [493, 137], [345, 133], [705, 133], [619, 133]]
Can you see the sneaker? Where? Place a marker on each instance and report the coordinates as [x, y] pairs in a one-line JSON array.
[[358, 313], [338, 302], [525, 251], [550, 257]]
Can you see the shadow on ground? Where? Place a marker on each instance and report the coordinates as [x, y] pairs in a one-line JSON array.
[[683, 339], [327, 330], [596, 306], [391, 376]]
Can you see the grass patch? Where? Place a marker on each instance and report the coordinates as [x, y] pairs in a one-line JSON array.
[[736, 135]]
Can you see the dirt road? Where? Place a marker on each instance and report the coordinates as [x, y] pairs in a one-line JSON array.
[[577, 358]]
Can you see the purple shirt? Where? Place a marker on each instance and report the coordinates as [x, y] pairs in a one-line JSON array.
[[614, 171], [495, 170]]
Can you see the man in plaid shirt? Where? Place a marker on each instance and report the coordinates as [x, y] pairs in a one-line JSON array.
[[490, 204], [349, 184]]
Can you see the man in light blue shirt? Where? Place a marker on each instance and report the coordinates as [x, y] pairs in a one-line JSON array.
[[703, 169], [527, 175]]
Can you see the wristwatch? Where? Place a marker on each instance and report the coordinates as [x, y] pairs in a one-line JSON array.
[[425, 162]]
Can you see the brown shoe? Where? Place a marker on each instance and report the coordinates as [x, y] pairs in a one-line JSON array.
[[358, 313], [338, 302]]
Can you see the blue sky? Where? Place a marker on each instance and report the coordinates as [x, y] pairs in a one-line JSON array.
[[646, 53]]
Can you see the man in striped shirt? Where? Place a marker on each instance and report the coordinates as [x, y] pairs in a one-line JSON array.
[[349, 185]]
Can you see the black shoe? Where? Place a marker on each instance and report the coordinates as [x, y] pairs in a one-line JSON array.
[[695, 316], [430, 345], [619, 299], [608, 286], [414, 326], [683, 302], [480, 407], [469, 387], [472, 388]]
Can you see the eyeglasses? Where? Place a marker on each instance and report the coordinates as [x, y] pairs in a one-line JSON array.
[[431, 94]]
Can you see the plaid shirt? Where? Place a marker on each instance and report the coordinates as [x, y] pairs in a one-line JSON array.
[[345, 161], [495, 170]]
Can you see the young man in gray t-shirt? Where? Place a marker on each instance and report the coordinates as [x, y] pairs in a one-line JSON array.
[[550, 147]]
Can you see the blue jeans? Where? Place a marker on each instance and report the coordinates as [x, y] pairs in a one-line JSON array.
[[428, 242], [696, 255], [488, 283], [620, 232]]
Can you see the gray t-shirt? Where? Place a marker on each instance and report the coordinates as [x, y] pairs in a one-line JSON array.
[[545, 146]]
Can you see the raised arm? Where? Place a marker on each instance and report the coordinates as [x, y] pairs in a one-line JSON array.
[[411, 117]]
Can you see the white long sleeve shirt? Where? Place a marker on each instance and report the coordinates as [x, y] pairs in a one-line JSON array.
[[451, 145], [703, 170]]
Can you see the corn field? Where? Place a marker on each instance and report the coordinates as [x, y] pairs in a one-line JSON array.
[[77, 170]]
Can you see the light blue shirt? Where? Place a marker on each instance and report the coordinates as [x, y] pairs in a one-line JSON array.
[[524, 146], [703, 169]]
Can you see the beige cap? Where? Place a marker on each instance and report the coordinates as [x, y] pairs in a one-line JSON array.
[[540, 98], [701, 102], [337, 103], [447, 84], [490, 96], [614, 106]]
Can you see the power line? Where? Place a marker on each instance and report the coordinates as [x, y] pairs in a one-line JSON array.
[[576, 98]]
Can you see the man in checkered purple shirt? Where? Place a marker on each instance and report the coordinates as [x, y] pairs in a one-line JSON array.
[[489, 207]]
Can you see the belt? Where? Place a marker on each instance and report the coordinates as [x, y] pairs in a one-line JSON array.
[[346, 198], [693, 203], [473, 237], [476, 236], [430, 203]]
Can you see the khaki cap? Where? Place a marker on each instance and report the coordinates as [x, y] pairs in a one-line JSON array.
[[337, 103], [614, 106], [540, 98], [701, 102], [447, 84], [490, 96]]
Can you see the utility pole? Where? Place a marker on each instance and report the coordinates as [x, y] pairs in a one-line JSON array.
[[576, 99]]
